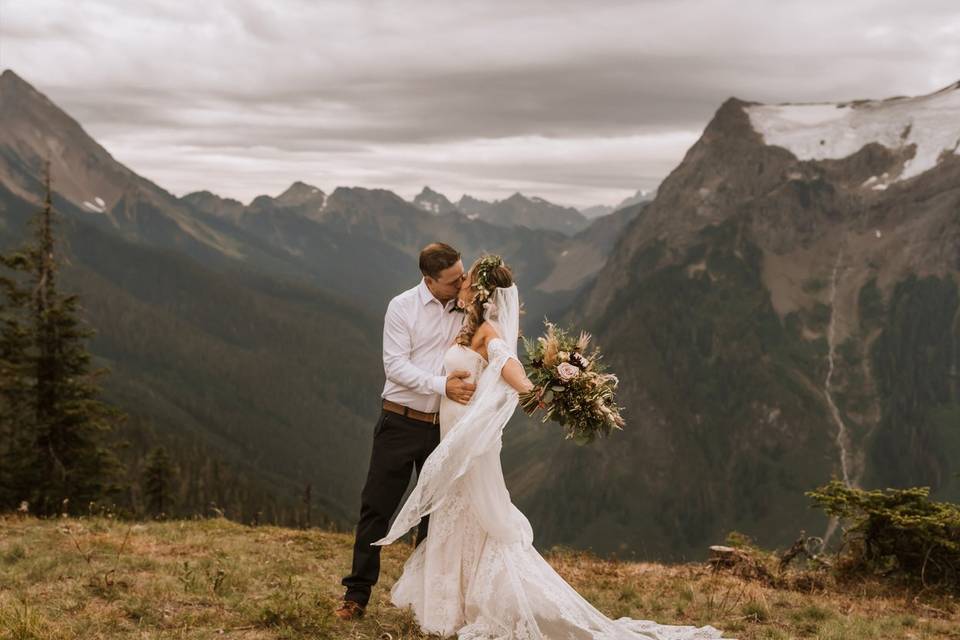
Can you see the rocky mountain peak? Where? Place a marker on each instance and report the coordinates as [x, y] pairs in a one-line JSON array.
[[262, 202], [11, 81], [33, 129], [361, 203], [17, 93], [427, 192], [434, 202], [299, 194], [765, 166], [211, 203]]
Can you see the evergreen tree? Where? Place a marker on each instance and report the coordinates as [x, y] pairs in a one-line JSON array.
[[72, 461], [158, 482], [16, 425]]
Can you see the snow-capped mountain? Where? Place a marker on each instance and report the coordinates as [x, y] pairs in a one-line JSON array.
[[785, 311]]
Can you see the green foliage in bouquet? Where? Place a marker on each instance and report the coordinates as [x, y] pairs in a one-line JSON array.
[[897, 531], [571, 385]]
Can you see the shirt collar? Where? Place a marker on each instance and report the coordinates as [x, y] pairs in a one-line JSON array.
[[425, 296]]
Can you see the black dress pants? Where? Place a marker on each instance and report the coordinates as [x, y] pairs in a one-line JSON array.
[[400, 445]]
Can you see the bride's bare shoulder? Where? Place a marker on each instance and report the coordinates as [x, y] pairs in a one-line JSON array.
[[488, 331]]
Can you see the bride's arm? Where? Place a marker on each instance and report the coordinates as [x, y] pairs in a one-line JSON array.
[[512, 372], [515, 376]]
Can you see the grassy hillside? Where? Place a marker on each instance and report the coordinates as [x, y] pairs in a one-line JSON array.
[[100, 578]]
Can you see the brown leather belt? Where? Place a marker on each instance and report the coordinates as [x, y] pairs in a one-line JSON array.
[[407, 412]]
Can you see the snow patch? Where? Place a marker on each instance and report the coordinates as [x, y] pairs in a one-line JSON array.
[[98, 205], [833, 131]]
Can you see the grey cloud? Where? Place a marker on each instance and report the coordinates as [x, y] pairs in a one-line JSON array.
[[381, 82], [603, 96], [590, 98]]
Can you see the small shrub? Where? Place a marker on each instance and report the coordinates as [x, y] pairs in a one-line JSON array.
[[739, 540], [897, 531]]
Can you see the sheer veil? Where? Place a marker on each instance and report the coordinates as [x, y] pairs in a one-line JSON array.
[[468, 458], [503, 311]]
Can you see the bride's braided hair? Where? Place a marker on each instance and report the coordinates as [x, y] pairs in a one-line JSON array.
[[486, 274]]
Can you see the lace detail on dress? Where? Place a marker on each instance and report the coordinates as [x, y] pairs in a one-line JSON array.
[[498, 349], [443, 522]]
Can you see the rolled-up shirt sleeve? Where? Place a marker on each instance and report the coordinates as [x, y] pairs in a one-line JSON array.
[[397, 345]]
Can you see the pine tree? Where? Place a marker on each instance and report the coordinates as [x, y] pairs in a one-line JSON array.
[[72, 460], [16, 425], [158, 481]]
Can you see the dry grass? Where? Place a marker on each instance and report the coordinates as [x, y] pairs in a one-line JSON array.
[[99, 578]]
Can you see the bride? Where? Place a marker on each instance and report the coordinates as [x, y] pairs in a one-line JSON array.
[[477, 574]]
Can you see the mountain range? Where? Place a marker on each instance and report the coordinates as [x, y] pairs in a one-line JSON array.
[[784, 310], [516, 211], [198, 301]]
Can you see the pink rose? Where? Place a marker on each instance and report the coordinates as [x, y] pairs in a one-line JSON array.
[[567, 371]]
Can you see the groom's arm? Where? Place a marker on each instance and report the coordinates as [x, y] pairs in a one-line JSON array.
[[397, 345]]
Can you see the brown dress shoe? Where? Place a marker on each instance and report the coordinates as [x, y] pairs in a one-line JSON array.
[[349, 610]]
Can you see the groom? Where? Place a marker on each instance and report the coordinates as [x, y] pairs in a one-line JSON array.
[[418, 328]]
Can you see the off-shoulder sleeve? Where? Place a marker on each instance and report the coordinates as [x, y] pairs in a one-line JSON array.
[[498, 352]]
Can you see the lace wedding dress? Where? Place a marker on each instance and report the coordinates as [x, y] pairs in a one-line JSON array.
[[477, 574]]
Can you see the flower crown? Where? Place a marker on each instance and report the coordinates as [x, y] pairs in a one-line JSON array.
[[481, 281], [482, 276]]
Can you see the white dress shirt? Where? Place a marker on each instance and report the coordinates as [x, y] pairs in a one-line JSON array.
[[417, 331]]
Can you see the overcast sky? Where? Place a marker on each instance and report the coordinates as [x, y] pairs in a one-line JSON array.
[[578, 102]]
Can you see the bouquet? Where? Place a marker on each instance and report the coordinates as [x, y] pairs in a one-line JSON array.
[[570, 385]]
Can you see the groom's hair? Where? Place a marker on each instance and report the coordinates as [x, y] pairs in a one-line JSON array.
[[436, 257]]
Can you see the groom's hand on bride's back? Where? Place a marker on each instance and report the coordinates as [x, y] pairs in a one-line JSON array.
[[458, 389]]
